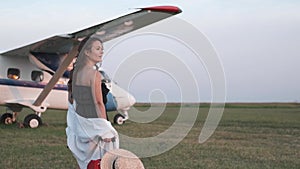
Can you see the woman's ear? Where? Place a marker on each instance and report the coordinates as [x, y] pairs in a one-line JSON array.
[[86, 52]]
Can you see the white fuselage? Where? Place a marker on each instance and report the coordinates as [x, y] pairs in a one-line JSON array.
[[25, 90]]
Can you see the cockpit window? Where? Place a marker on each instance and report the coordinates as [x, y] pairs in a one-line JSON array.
[[13, 73], [37, 76], [105, 77]]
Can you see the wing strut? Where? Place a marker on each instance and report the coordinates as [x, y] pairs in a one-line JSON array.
[[67, 61]]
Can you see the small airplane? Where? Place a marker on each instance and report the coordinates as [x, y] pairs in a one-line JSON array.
[[36, 75]]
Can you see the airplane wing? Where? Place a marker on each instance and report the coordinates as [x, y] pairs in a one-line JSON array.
[[62, 44], [128, 23], [67, 44]]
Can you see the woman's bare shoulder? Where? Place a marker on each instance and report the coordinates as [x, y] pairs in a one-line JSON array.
[[86, 76]]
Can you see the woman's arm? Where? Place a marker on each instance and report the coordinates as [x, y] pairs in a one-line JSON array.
[[97, 94]]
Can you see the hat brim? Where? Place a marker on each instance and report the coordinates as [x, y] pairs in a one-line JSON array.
[[121, 158]]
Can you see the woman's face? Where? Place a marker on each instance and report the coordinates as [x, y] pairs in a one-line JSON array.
[[96, 52]]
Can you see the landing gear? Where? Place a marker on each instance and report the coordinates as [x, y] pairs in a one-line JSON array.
[[7, 118], [121, 118], [32, 121]]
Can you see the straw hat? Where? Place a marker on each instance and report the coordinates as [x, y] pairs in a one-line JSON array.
[[121, 159]]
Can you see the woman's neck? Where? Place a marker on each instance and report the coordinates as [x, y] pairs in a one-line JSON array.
[[89, 63]]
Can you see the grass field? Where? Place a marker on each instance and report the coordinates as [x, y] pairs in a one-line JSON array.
[[248, 136]]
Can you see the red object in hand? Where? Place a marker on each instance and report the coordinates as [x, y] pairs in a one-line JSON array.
[[94, 164]]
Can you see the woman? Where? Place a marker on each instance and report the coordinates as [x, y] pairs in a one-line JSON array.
[[89, 134]]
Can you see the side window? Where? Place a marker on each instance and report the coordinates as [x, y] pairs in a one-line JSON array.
[[37, 76], [13, 73]]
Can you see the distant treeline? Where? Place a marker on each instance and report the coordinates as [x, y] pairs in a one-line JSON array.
[[227, 105]]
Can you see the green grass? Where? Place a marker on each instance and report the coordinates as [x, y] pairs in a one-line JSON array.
[[248, 136]]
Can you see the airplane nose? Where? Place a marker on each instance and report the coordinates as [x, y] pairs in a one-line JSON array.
[[124, 100]]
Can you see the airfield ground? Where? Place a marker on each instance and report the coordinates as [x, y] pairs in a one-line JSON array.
[[248, 136]]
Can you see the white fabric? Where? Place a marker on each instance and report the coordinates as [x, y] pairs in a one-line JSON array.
[[84, 137]]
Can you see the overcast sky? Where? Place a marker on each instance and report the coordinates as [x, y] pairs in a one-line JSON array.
[[258, 43]]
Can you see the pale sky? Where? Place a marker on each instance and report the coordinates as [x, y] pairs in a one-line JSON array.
[[258, 43]]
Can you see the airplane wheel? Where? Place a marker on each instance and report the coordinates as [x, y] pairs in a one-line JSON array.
[[6, 118], [119, 119], [32, 121]]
